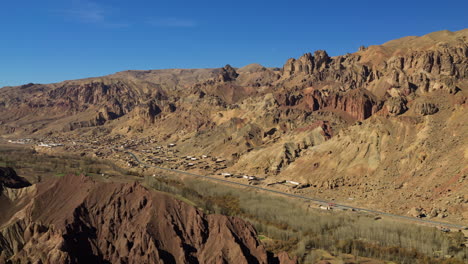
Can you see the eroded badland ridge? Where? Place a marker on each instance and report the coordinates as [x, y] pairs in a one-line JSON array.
[[77, 220], [384, 127]]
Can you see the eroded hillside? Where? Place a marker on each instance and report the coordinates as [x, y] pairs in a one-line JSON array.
[[78, 220]]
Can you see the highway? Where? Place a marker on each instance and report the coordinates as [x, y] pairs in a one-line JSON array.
[[336, 205]]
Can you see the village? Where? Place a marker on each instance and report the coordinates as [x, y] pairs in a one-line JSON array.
[[152, 156], [149, 154]]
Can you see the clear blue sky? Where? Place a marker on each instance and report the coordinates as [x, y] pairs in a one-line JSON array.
[[45, 41]]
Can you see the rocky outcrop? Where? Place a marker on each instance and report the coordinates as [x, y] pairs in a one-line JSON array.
[[396, 105], [430, 70], [228, 74], [9, 179], [359, 103], [77, 220], [116, 94], [426, 68], [290, 151], [425, 108], [148, 111], [307, 64]]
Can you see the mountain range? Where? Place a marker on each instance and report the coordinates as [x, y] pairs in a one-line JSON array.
[[384, 127]]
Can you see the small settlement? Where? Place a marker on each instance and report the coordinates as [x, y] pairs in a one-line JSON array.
[[149, 153]]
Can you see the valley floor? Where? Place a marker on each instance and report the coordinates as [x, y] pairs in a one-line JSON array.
[[148, 159], [208, 196]]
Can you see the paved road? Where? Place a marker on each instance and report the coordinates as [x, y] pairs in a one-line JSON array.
[[337, 205]]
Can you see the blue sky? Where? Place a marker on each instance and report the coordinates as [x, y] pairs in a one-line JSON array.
[[54, 40]]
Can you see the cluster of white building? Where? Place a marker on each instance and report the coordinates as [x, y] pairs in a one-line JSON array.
[[191, 158], [49, 145], [227, 175], [20, 141], [23, 141]]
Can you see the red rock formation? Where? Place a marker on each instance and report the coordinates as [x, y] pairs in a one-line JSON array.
[[77, 220], [358, 103]]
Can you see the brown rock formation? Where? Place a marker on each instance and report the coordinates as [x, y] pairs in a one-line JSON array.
[[307, 64], [425, 108], [396, 105], [228, 74], [359, 103], [9, 179], [77, 220]]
